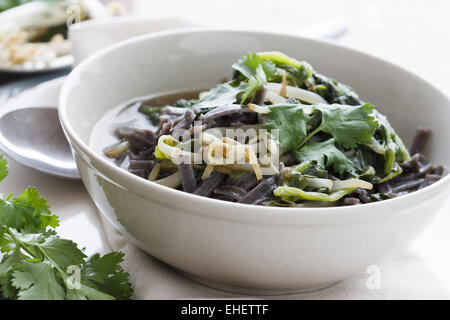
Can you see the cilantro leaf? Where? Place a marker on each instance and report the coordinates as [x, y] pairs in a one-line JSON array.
[[7, 290], [29, 209], [248, 66], [105, 272], [32, 198], [87, 293], [37, 281], [7, 266], [257, 70], [10, 260], [11, 239], [35, 262], [291, 121], [101, 278], [17, 215], [6, 243], [254, 83], [222, 95], [63, 252], [327, 155], [349, 125], [3, 168]]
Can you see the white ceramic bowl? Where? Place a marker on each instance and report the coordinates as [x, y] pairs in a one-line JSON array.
[[242, 247]]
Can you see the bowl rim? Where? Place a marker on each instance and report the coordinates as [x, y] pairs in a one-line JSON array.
[[238, 211]]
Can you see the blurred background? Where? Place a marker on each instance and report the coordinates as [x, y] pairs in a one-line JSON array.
[[412, 33]]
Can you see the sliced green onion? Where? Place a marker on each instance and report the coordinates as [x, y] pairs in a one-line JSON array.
[[274, 97], [281, 58], [117, 150], [351, 184], [320, 183], [155, 172], [291, 194], [258, 109], [159, 154], [172, 181], [298, 93]]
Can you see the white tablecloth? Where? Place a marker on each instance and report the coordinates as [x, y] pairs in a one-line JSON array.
[[418, 273]]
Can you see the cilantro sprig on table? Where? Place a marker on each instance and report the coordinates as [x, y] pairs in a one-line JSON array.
[[37, 264]]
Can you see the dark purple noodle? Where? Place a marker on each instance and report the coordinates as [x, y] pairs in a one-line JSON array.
[[261, 190], [221, 111], [141, 164], [363, 195], [260, 95], [247, 182], [138, 138], [172, 111], [232, 192], [229, 115], [188, 180], [408, 185], [165, 127], [186, 121], [420, 140], [351, 201], [138, 172], [209, 184], [417, 173]]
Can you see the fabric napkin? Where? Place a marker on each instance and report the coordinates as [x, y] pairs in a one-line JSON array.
[[404, 277]]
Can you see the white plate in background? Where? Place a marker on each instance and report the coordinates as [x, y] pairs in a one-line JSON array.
[[34, 13]]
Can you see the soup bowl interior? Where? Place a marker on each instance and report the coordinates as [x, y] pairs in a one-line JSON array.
[[240, 247]]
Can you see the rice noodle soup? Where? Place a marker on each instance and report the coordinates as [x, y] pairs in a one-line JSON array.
[[277, 134]]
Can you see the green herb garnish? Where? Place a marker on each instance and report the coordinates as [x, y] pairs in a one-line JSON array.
[[37, 264]]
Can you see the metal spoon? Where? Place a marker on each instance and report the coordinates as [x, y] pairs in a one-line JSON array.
[[34, 138]]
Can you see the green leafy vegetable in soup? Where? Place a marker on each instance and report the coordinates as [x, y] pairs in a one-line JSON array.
[[333, 148]]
